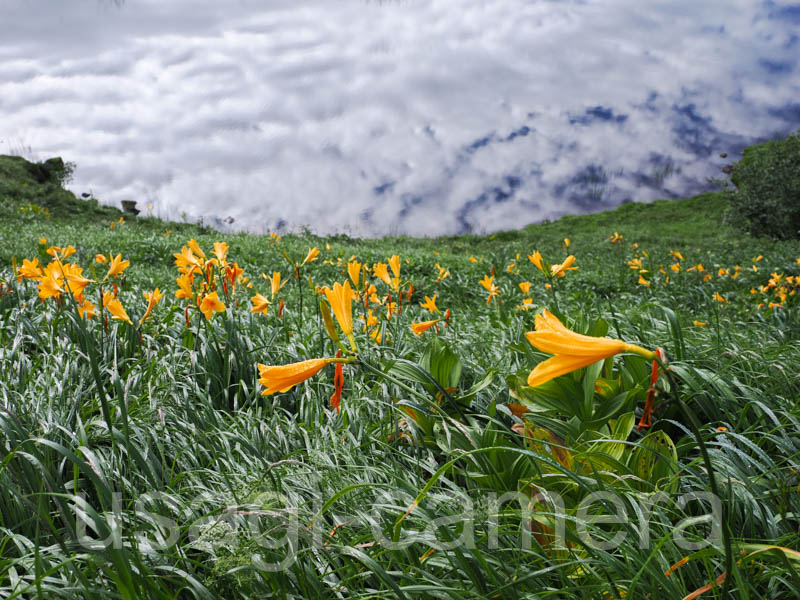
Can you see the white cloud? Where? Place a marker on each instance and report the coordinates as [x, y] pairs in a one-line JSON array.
[[297, 114]]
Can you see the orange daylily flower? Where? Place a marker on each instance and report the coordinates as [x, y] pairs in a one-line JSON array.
[[394, 263], [186, 261], [185, 287], [312, 255], [211, 304], [234, 272], [117, 266], [62, 253], [488, 283], [221, 251], [572, 350], [49, 284], [560, 270], [29, 269], [76, 282], [275, 282], [114, 306], [195, 247], [443, 273], [382, 272], [285, 377], [260, 304], [341, 300], [152, 298], [86, 309], [430, 304], [525, 286], [536, 259], [99, 258], [354, 271], [420, 328]]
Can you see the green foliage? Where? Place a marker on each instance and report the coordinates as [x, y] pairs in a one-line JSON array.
[[124, 427], [766, 201]]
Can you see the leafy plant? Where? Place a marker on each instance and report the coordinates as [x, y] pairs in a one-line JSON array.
[[766, 201]]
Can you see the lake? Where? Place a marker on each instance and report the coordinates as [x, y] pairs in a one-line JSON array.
[[416, 117]]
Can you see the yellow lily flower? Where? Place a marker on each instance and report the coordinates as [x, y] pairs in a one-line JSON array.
[[275, 282], [195, 247], [560, 270], [341, 300], [185, 286], [382, 272], [643, 281], [76, 282], [566, 243], [234, 273], [29, 269], [354, 271], [430, 304], [117, 266], [86, 309], [536, 259], [49, 285], [186, 261], [210, 305], [312, 255], [525, 286], [62, 253], [572, 350], [419, 328], [488, 283], [394, 263], [260, 304], [443, 273], [221, 251], [114, 306], [284, 377], [152, 298]]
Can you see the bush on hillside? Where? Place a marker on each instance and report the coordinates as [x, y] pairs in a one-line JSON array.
[[766, 201]]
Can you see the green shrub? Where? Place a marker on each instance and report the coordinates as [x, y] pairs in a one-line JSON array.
[[766, 201]]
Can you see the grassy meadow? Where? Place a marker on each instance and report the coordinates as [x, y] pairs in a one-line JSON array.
[[438, 456]]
